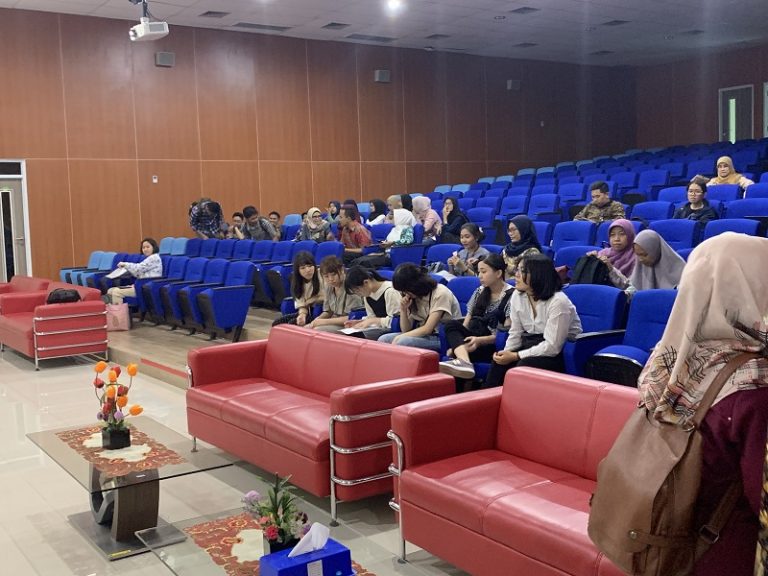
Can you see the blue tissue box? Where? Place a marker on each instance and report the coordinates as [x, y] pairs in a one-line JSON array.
[[333, 560]]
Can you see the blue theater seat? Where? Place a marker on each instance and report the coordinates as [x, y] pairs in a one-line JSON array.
[[194, 272], [679, 234], [215, 272], [178, 247], [224, 309], [65, 274], [574, 233], [165, 245], [174, 269], [192, 249]]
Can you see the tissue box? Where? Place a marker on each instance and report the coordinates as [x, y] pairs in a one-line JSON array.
[[333, 560]]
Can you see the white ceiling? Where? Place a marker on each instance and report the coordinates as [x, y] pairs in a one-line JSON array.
[[655, 31]]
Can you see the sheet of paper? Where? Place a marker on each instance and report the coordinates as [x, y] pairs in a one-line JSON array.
[[117, 273]]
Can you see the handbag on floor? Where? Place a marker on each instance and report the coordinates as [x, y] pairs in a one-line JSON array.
[[118, 317]]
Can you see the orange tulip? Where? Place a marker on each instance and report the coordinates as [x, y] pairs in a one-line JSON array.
[[122, 401], [100, 367], [132, 369], [136, 410], [111, 392], [112, 376]]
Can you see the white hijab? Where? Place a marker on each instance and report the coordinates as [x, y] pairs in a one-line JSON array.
[[402, 219]]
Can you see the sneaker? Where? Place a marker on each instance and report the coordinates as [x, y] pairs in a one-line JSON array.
[[458, 368]]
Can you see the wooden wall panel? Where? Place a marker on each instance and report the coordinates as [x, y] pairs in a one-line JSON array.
[[609, 95], [382, 179], [465, 109], [424, 176], [165, 206], [654, 113], [424, 77], [381, 105], [226, 85], [282, 98], [166, 116], [50, 217], [333, 113], [504, 110], [98, 88], [32, 105], [287, 187], [335, 181], [234, 185], [466, 172], [105, 195], [539, 88]]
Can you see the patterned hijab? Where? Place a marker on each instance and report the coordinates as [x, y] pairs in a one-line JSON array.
[[721, 310], [528, 237], [311, 223], [667, 267], [622, 260], [733, 176]]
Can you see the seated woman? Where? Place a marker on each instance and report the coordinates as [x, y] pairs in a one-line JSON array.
[[306, 288], [474, 338], [620, 254], [697, 208], [719, 312], [726, 174], [378, 212], [337, 304], [453, 220], [150, 267], [542, 318], [522, 242], [382, 301], [657, 265], [333, 211], [430, 219], [424, 304], [313, 227], [400, 235], [464, 262]]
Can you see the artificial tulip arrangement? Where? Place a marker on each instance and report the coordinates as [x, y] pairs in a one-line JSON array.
[[279, 518], [113, 397]]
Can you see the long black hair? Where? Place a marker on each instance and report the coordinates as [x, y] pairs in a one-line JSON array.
[[483, 300], [407, 202], [357, 275], [542, 276], [475, 230], [152, 242], [380, 208], [414, 279], [303, 258]]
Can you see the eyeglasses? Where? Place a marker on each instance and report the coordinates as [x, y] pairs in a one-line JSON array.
[[316, 216]]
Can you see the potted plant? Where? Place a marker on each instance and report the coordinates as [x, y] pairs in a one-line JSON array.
[[113, 399], [282, 523]]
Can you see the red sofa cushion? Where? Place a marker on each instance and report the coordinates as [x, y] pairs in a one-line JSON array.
[[23, 284], [20, 323], [210, 398], [303, 429], [462, 487]]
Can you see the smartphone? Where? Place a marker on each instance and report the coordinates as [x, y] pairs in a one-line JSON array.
[[605, 244]]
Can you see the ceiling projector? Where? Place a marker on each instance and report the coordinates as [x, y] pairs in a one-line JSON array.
[[146, 31]]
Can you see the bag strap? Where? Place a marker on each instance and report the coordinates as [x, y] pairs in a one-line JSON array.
[[717, 385]]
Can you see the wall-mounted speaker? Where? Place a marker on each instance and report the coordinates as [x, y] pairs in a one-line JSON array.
[[382, 76], [165, 59]]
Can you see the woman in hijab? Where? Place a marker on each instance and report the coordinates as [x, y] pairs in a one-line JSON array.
[[453, 220], [620, 255], [407, 202], [657, 265], [430, 219], [400, 235], [726, 174], [314, 227], [333, 211], [378, 211], [522, 242], [721, 310]]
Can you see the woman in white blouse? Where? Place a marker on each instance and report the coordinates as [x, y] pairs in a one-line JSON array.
[[542, 318], [150, 267]]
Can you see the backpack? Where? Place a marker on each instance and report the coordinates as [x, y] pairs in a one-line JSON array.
[[643, 512], [63, 295], [591, 270]]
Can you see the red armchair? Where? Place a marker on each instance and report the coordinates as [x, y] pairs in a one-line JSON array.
[[42, 331], [310, 404], [23, 284], [498, 482]]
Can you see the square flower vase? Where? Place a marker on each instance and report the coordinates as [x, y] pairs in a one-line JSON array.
[[115, 439]]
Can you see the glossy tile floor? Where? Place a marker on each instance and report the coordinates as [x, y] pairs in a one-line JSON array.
[[36, 495]]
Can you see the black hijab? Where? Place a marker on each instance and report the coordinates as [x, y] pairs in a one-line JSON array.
[[456, 212], [528, 237], [380, 208], [407, 202]]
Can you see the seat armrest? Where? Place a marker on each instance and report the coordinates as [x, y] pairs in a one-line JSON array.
[[83, 307], [224, 363], [366, 398], [17, 302], [444, 427], [612, 335]]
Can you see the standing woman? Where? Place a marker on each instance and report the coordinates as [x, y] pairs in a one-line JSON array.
[[522, 242], [430, 219], [150, 267], [726, 174], [306, 288], [382, 301], [721, 310], [474, 338], [424, 304], [453, 220], [337, 304], [542, 318], [313, 227]]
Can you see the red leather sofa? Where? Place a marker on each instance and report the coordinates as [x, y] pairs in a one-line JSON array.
[[41, 331], [310, 404], [23, 284], [498, 481]]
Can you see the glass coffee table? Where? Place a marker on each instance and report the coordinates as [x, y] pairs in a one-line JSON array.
[[124, 485]]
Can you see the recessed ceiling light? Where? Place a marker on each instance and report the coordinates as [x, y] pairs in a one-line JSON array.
[[524, 45], [669, 37], [601, 53], [590, 28], [615, 22], [500, 17], [335, 26], [437, 37], [370, 38], [523, 10], [264, 27], [394, 5], [213, 14]]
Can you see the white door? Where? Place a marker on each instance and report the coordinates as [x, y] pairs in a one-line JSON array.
[[14, 250], [736, 113]]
